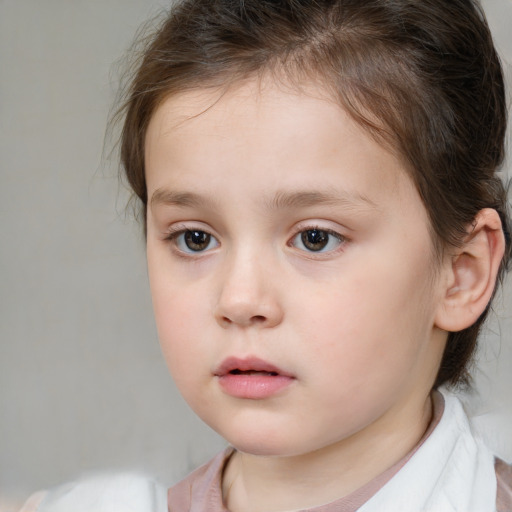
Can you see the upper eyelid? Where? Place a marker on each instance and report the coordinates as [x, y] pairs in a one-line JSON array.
[[321, 226], [335, 234], [174, 233], [180, 227]]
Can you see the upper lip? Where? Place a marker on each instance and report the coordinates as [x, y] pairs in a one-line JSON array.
[[247, 364]]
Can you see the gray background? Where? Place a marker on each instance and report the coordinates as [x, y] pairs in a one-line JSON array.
[[82, 383]]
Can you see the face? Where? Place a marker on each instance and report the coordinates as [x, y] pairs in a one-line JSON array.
[[291, 270]]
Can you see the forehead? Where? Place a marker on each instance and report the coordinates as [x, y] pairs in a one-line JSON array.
[[258, 102], [271, 137]]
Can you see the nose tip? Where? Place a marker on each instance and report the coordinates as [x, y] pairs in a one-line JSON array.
[[248, 294], [248, 303], [244, 319]]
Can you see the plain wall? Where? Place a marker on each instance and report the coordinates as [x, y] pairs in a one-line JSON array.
[[82, 382]]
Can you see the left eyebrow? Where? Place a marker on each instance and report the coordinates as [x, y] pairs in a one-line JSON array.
[[289, 200]]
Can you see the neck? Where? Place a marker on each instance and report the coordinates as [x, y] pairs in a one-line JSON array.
[[316, 478]]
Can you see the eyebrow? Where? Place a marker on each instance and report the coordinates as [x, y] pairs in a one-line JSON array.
[[289, 200], [281, 200], [167, 197]]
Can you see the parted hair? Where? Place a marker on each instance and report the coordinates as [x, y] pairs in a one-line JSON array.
[[421, 76]]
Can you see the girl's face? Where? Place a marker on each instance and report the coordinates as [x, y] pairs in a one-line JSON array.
[[291, 270]]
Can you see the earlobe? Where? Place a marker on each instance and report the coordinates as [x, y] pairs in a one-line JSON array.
[[471, 273]]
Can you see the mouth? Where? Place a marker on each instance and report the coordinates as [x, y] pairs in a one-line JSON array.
[[252, 372], [252, 378], [248, 366]]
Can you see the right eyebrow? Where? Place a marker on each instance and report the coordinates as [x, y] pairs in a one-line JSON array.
[[168, 197]]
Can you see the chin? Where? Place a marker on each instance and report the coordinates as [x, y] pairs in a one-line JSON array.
[[267, 444], [262, 442]]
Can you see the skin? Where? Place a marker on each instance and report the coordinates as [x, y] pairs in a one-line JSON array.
[[355, 325]]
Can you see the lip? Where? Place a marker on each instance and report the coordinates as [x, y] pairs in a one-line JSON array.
[[251, 378]]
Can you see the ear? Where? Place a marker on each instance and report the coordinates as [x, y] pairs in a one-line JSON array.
[[471, 273]]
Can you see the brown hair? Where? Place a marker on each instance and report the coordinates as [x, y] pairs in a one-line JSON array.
[[422, 76]]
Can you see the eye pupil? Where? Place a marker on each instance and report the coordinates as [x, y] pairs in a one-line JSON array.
[[315, 239], [197, 240]]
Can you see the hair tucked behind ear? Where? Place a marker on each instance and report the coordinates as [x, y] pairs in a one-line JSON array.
[[422, 76]]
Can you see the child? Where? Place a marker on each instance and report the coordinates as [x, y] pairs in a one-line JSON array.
[[325, 230]]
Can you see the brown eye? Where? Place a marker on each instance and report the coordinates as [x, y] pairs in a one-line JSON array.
[[192, 241], [197, 240], [315, 239]]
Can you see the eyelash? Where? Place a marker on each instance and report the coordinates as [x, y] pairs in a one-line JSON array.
[[174, 235]]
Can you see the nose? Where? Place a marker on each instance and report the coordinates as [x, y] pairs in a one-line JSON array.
[[248, 295]]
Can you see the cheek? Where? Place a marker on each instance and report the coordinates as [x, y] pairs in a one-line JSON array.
[[184, 349], [374, 327], [179, 317], [178, 322]]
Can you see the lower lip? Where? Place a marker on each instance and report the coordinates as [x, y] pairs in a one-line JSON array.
[[253, 387]]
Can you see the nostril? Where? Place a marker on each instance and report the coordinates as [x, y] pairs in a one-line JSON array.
[[253, 320]]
